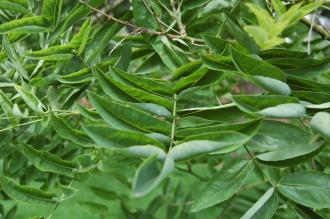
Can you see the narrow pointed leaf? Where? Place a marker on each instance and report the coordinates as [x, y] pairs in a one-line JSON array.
[[254, 66], [149, 176], [265, 207], [26, 194], [222, 186], [110, 137], [310, 189], [33, 24], [206, 143], [46, 161], [65, 131], [126, 113]]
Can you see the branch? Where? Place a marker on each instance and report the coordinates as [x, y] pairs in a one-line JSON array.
[[317, 28], [141, 29]]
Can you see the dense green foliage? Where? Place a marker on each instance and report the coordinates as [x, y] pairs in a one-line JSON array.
[[164, 109]]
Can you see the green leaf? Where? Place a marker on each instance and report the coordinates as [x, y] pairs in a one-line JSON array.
[[110, 137], [194, 4], [216, 6], [321, 124], [265, 20], [186, 69], [289, 145], [102, 38], [101, 105], [253, 66], [310, 189], [12, 6], [216, 44], [51, 11], [259, 35], [265, 207], [220, 142], [65, 131], [272, 85], [274, 106], [82, 76], [307, 213], [14, 57], [124, 113], [29, 98], [222, 186], [241, 37], [286, 110], [85, 75], [81, 38], [26, 194], [148, 176], [111, 90], [87, 113], [54, 53], [190, 80], [286, 135], [279, 7], [33, 24], [67, 192], [217, 62], [104, 193], [145, 83], [134, 92], [232, 126], [142, 13], [145, 151], [7, 107], [78, 11], [94, 207], [46, 161], [165, 50], [287, 155], [11, 214], [316, 106]]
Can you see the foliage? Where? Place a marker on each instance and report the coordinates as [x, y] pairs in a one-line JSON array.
[[163, 109]]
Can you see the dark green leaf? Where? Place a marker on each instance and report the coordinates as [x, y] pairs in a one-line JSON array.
[[222, 186], [148, 176], [46, 161], [265, 207], [26, 194], [310, 189]]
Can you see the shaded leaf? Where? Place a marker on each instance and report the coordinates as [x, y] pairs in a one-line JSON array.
[[310, 189], [46, 161], [26, 194], [265, 207], [148, 176], [222, 186]]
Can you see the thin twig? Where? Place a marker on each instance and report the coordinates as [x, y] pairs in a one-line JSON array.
[[191, 173], [122, 40], [143, 29], [309, 38], [59, 201], [22, 124], [317, 28], [177, 13]]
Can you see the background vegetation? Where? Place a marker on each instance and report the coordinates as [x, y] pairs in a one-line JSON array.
[[164, 109]]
